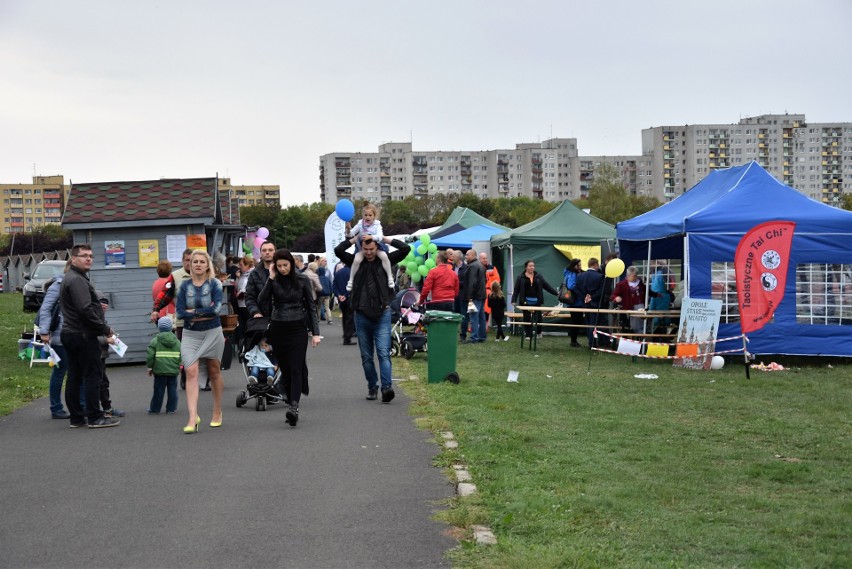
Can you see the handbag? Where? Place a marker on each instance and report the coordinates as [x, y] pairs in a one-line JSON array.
[[565, 295]]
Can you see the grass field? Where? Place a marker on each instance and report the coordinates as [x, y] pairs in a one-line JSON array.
[[18, 383], [600, 469]]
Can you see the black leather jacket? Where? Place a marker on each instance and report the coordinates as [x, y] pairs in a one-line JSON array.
[[291, 303], [81, 309], [256, 280]]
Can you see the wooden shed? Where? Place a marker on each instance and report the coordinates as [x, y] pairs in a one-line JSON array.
[[131, 226]]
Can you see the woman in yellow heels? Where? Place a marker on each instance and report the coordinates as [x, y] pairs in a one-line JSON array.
[[197, 303]]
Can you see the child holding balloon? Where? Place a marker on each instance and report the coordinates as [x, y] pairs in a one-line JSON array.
[[369, 225]]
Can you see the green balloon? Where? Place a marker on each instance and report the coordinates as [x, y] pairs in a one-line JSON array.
[[409, 257], [422, 249], [420, 260], [423, 269], [432, 248], [425, 239], [415, 278], [411, 266], [430, 263]]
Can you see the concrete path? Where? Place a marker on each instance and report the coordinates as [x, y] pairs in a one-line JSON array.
[[351, 487]]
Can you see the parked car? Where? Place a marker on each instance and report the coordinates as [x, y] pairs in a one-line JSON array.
[[34, 287]]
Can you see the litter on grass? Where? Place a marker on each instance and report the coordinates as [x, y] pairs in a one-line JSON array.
[[646, 376], [513, 377], [771, 367]]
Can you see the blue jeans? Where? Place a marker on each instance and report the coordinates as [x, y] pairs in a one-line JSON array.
[[57, 376], [161, 384], [270, 372], [375, 334], [477, 321]]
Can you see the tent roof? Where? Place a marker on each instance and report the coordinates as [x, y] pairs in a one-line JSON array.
[[468, 218], [564, 224], [735, 200], [447, 230], [466, 237]]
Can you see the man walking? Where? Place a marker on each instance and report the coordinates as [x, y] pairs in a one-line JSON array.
[[474, 291], [347, 316], [83, 322], [370, 299], [257, 278], [461, 305]]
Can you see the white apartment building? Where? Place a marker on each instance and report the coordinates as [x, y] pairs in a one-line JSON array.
[[543, 170], [816, 159]]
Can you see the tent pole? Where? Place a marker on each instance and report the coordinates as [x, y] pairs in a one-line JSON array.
[[647, 287], [511, 273], [745, 358]]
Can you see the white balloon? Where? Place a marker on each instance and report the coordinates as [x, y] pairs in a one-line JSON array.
[[718, 362]]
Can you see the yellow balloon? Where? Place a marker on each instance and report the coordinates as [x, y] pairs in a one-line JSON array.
[[614, 268]]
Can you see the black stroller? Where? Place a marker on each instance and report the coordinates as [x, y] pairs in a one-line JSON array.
[[266, 390], [408, 334]]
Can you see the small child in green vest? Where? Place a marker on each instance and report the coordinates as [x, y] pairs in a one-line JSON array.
[[164, 364]]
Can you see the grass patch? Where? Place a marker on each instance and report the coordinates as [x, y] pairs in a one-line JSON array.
[[18, 383], [599, 469]]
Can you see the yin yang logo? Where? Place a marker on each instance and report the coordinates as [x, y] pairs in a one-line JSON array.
[[768, 282]]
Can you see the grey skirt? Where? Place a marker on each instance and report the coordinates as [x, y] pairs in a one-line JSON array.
[[206, 344]]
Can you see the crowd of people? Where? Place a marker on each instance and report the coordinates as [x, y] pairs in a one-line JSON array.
[[294, 297]]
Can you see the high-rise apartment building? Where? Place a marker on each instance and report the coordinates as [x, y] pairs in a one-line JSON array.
[[816, 159], [28, 206], [543, 170]]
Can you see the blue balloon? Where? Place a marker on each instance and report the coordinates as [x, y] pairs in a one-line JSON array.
[[345, 210]]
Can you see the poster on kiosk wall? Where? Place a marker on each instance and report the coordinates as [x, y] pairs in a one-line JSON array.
[[696, 337]]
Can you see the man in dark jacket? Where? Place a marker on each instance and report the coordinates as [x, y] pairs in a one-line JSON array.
[[590, 285], [83, 321], [460, 269], [257, 278], [370, 300], [474, 291]]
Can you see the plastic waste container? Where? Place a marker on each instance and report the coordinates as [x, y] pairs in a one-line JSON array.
[[442, 337]]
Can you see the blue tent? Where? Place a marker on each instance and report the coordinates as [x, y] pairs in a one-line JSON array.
[[464, 239], [704, 226]]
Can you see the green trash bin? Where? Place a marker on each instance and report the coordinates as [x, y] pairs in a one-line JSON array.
[[442, 337]]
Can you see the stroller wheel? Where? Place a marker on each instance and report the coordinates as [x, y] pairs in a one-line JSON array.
[[261, 403], [241, 398], [407, 349], [257, 404], [394, 351]]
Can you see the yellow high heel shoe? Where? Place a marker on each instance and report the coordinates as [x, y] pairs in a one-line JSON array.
[[192, 428], [216, 423]]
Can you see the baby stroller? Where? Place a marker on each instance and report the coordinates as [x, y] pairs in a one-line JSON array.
[[408, 334], [266, 390]]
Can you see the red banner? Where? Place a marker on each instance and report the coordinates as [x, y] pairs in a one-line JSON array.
[[761, 263]]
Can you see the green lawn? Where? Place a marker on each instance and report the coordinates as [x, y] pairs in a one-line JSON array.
[[18, 383], [599, 469]]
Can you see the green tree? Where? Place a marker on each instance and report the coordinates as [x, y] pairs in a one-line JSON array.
[[259, 216], [608, 200], [846, 201]]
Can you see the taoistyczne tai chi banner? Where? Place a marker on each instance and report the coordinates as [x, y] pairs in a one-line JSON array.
[[761, 264]]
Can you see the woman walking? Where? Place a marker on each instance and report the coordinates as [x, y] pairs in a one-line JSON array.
[[293, 315], [198, 301]]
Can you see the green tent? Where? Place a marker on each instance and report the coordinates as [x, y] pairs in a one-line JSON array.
[[467, 218], [563, 233]]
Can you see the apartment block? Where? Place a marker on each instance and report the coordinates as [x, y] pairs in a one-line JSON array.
[[28, 206], [814, 158], [544, 170], [264, 195]]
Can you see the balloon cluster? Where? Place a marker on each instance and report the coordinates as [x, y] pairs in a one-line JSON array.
[[260, 236], [417, 266]]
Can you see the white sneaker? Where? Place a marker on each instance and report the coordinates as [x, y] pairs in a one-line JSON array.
[[506, 339], [253, 380]]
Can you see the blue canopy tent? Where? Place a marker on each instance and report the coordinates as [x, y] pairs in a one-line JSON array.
[[703, 228], [464, 239]]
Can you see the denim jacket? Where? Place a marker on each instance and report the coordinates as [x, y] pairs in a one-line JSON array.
[[206, 300]]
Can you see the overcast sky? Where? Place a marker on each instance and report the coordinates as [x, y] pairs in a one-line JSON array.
[[258, 90]]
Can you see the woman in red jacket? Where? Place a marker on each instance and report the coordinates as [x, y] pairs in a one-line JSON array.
[[629, 294]]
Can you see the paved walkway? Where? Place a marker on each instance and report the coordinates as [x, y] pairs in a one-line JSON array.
[[351, 487]]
